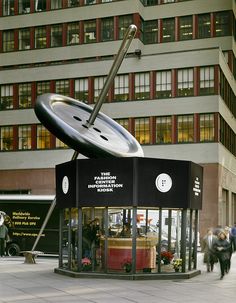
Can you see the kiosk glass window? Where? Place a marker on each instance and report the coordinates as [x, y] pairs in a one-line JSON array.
[[24, 137], [6, 138], [142, 130], [25, 95], [65, 219], [81, 90], [93, 235], [6, 98], [119, 250], [121, 88], [185, 126]]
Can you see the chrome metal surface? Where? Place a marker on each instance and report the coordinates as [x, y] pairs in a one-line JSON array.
[[129, 35], [67, 119]]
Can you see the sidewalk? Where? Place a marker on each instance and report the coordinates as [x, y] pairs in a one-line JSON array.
[[37, 283]]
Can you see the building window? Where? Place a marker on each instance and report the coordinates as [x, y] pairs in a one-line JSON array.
[[24, 6], [81, 90], [60, 144], [62, 87], [124, 123], [8, 41], [24, 137], [121, 88], [40, 37], [73, 3], [90, 31], [185, 28], [56, 35], [56, 4], [206, 80], [43, 88], [107, 29], [185, 128], [40, 5], [6, 101], [149, 2], [185, 82], [88, 2], [7, 138], [142, 130], [43, 137], [204, 26], [223, 24], [168, 30], [163, 129], [142, 86], [25, 95], [98, 85], [124, 23], [150, 32], [206, 127], [73, 33], [163, 84], [24, 38], [8, 7]]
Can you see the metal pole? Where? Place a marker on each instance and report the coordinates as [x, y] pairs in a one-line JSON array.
[[129, 35], [75, 155]]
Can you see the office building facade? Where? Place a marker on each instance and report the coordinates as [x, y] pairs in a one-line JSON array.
[[175, 90]]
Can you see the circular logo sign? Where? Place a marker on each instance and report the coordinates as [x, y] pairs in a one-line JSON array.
[[65, 185], [163, 182]]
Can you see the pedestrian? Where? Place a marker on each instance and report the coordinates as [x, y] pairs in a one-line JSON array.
[[221, 247], [229, 239], [209, 257], [3, 238], [233, 236]]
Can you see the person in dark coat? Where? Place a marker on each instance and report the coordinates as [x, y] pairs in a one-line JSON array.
[[222, 249], [209, 258]]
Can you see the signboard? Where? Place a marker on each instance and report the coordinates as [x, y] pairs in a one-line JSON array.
[[135, 181]]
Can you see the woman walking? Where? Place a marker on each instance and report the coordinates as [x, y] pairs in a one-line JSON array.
[[221, 247]]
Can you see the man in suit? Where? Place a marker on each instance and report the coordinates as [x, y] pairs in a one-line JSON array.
[[207, 248]]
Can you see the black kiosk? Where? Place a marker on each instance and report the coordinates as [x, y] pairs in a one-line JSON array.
[[129, 217], [122, 215]]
